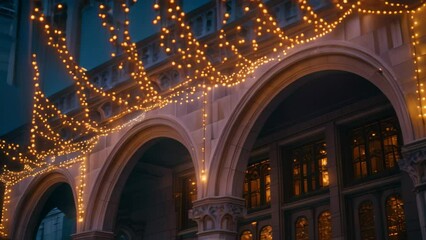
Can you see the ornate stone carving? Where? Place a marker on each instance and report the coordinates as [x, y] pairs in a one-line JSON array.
[[414, 162], [219, 214]]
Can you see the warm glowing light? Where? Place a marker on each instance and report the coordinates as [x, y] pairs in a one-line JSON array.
[[188, 54]]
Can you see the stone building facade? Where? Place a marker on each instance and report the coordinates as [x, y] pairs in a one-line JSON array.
[[325, 143]]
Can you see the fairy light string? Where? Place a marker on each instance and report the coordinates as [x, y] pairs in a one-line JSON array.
[[4, 211], [80, 190], [186, 54], [414, 18]]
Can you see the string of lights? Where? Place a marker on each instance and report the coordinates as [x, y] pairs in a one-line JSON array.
[[188, 54], [417, 61]]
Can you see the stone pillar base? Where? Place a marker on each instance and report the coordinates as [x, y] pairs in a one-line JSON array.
[[93, 235]]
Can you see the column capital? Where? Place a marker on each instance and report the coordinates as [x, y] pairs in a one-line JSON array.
[[97, 235], [217, 216], [414, 162]]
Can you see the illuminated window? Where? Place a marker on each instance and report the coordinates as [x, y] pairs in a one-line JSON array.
[[246, 235], [395, 218], [302, 229], [324, 226], [309, 168], [366, 221], [257, 185], [375, 148], [266, 233], [184, 200]]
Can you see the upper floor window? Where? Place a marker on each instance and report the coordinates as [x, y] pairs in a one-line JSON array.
[[375, 147], [257, 185], [302, 228], [309, 168], [266, 233], [366, 220], [324, 226], [395, 218]]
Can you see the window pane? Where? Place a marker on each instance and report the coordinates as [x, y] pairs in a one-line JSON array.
[[375, 147], [358, 154], [302, 229], [322, 165], [324, 226], [390, 143], [257, 185], [395, 218], [246, 235], [267, 183], [309, 168], [266, 233], [366, 221]]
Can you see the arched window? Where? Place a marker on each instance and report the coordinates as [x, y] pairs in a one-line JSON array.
[[302, 228], [324, 226], [395, 218], [366, 221], [266, 233], [246, 235]]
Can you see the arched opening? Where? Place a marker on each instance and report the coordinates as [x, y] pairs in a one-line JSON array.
[[157, 193], [328, 139], [55, 217]]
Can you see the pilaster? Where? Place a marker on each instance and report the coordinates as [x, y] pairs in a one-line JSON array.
[[414, 163], [217, 217]]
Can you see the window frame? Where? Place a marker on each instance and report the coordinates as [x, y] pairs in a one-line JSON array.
[[377, 215], [184, 223], [385, 197], [295, 223], [346, 138], [260, 164], [320, 212], [287, 167]]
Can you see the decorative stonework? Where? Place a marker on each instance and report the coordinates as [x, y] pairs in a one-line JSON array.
[[414, 162], [217, 215]]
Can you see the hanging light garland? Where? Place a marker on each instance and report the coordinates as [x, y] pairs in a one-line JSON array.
[[189, 55]]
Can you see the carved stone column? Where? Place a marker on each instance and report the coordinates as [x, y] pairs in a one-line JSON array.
[[217, 217], [414, 163]]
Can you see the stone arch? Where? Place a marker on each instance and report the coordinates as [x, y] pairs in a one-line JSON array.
[[235, 141], [120, 162], [32, 202]]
